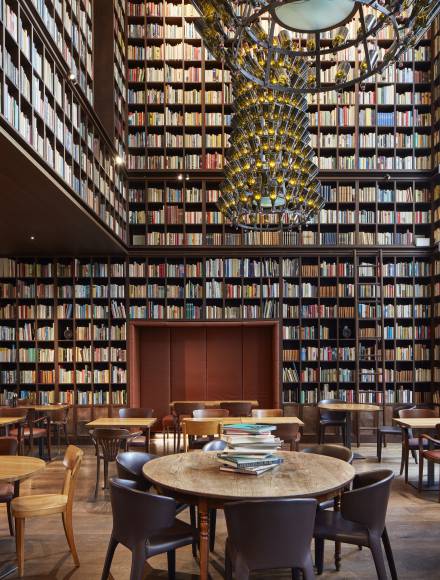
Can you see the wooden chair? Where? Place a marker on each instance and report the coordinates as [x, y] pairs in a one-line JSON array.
[[410, 443], [30, 506], [107, 444], [181, 410], [8, 446], [432, 455], [203, 430], [58, 423], [15, 412], [210, 413], [237, 408], [290, 434], [36, 428], [267, 413], [385, 431], [137, 438]]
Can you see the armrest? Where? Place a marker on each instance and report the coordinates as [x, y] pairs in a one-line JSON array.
[[426, 437], [40, 420]]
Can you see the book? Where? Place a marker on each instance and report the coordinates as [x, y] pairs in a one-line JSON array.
[[242, 461], [248, 428], [247, 471]]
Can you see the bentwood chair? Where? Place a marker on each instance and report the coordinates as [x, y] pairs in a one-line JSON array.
[[146, 524], [337, 419], [385, 431], [269, 534], [360, 522], [138, 438], [201, 432], [180, 411], [267, 413], [30, 506], [36, 428], [107, 444], [210, 413], [432, 455], [58, 423], [8, 446], [409, 442], [237, 408]]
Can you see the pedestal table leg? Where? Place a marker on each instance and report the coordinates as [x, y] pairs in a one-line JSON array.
[[204, 539]]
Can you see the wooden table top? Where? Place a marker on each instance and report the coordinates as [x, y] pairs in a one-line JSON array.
[[122, 422], [351, 407], [216, 403], [249, 420], [418, 423], [40, 408], [301, 475], [19, 467], [10, 420]]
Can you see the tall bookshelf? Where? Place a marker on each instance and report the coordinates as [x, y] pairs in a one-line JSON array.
[[45, 111]]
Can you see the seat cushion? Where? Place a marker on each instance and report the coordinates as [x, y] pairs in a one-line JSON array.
[[6, 491], [28, 506], [413, 443], [180, 534], [331, 525], [37, 432], [432, 455], [138, 441], [168, 421], [390, 430]]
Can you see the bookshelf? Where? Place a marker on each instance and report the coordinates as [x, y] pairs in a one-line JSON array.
[[46, 112]]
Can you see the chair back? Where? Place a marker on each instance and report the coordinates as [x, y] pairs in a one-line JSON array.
[[136, 413], [137, 515], [8, 446], [215, 445], [237, 408], [109, 441], [24, 402], [271, 533], [199, 428], [210, 413], [399, 408], [327, 415], [367, 502], [267, 413], [59, 415], [13, 412], [72, 462], [287, 432], [186, 409], [336, 451], [414, 413], [129, 465]]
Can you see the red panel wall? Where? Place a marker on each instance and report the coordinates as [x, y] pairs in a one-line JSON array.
[[154, 353], [224, 362], [258, 365], [188, 363]]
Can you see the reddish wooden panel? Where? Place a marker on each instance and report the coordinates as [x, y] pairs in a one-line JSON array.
[[154, 355], [224, 362], [258, 365], [188, 363]]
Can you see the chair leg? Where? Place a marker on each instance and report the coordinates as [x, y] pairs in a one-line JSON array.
[[109, 558], [10, 518], [296, 574], [379, 562], [406, 464], [213, 520], [137, 564], [319, 555], [414, 455], [58, 427], [308, 573], [171, 557], [420, 474], [402, 459], [228, 566], [379, 446], [66, 434], [98, 462], [389, 554], [321, 434], [105, 474], [68, 530], [193, 521], [49, 447], [19, 543]]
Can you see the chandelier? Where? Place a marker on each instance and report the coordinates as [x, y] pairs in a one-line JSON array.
[[340, 42]]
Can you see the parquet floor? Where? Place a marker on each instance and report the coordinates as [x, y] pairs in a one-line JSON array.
[[413, 525]]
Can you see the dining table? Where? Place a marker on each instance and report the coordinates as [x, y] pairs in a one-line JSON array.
[[142, 423], [195, 478], [14, 469]]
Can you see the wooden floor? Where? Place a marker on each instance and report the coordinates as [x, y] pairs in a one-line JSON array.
[[413, 524]]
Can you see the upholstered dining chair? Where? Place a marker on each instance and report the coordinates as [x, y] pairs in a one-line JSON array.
[[8, 446], [267, 413], [129, 465], [237, 408], [384, 431], [337, 419], [210, 413], [432, 455], [290, 434], [409, 442], [107, 444], [17, 428], [35, 429], [29, 506]]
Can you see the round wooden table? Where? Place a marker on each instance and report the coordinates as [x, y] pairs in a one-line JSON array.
[[196, 478], [13, 469], [350, 408]]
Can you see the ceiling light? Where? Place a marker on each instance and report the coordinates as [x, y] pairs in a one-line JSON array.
[[306, 15], [32, 237]]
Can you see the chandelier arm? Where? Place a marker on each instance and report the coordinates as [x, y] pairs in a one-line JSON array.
[[364, 40], [269, 52], [318, 60]]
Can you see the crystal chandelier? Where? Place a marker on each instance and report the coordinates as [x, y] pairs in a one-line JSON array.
[[341, 42]]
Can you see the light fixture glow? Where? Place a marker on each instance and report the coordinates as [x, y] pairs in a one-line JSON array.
[[119, 160], [307, 15]]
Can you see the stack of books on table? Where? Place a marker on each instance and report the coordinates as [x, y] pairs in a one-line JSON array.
[[250, 438], [248, 463]]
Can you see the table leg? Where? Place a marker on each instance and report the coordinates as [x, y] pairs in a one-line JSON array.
[[430, 468], [204, 539], [337, 508], [147, 439], [348, 431]]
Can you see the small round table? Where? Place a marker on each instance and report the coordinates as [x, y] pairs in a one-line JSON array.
[[195, 478], [13, 469]]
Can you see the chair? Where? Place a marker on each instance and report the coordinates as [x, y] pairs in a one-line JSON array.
[[432, 455], [129, 466], [336, 419], [360, 522], [290, 434], [15, 412], [202, 430], [58, 420], [409, 442], [29, 506], [107, 443], [215, 445], [138, 438], [35, 429], [336, 451], [181, 410], [237, 408], [8, 446], [385, 431], [146, 524], [267, 413], [210, 413], [269, 534]]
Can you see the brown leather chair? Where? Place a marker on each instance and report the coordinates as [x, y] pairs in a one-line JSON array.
[[107, 444], [181, 410], [336, 451], [409, 442], [36, 428], [290, 434], [385, 431], [146, 524], [129, 465], [237, 408], [432, 455], [361, 521], [267, 413], [268, 534], [15, 412], [8, 446], [210, 413], [138, 438], [336, 419]]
